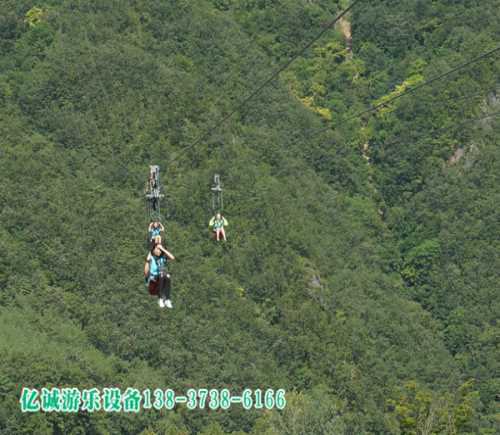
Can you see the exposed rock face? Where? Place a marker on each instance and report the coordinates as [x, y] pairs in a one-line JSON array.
[[345, 27], [315, 282], [457, 155]]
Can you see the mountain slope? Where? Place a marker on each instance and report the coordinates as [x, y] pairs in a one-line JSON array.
[[307, 295]]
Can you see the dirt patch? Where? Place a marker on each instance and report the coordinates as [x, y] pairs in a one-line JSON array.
[[344, 26], [457, 155]]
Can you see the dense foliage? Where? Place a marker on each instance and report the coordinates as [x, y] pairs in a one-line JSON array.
[[362, 270]]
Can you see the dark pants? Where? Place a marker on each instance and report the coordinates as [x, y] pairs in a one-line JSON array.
[[165, 285], [161, 285]]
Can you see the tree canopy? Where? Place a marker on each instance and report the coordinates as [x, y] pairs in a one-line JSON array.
[[362, 268]]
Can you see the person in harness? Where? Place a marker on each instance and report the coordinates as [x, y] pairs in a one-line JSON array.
[[157, 277], [155, 229], [217, 223]]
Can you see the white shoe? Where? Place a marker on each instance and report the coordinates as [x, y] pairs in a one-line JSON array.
[[160, 302], [168, 303]]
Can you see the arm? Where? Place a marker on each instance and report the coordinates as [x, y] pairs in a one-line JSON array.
[[146, 268], [150, 226], [224, 221], [162, 228], [168, 254]]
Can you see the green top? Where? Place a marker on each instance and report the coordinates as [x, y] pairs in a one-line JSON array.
[[218, 223]]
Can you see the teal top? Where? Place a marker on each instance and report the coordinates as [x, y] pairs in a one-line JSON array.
[[218, 223], [155, 264], [155, 232]]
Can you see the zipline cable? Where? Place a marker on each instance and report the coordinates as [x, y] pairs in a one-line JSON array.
[[272, 77], [317, 132], [407, 92], [438, 131], [426, 83], [458, 125]]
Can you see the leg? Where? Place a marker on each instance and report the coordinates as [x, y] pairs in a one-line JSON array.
[[168, 286], [165, 290], [161, 291], [165, 286]]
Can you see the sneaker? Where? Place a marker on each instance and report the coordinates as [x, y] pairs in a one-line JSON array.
[[168, 303], [160, 302]]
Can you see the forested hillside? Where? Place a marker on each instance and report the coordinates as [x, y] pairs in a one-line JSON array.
[[362, 268]]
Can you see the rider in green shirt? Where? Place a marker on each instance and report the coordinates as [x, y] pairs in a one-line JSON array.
[[217, 223]]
